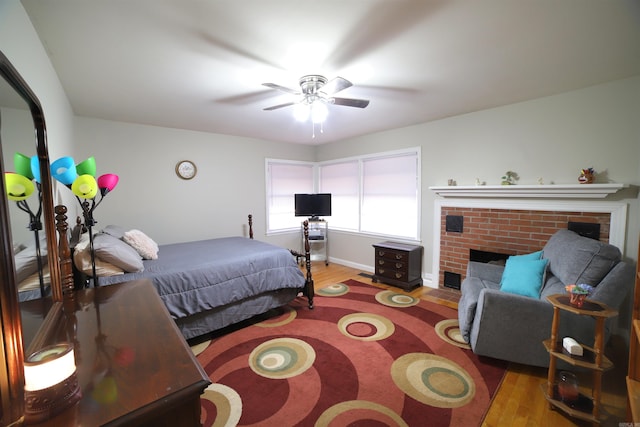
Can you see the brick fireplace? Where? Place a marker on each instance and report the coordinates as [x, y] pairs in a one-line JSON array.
[[504, 231], [512, 227]]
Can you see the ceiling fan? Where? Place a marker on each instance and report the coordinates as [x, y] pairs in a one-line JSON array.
[[314, 88]]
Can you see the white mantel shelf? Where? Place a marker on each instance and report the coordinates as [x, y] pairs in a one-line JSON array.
[[567, 191]]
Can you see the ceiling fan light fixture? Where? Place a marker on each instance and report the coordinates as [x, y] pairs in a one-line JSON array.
[[319, 112], [301, 112]]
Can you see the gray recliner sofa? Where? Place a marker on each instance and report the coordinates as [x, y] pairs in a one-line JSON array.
[[512, 327]]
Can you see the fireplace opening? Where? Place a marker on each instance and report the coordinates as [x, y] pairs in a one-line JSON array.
[[586, 229], [488, 257]]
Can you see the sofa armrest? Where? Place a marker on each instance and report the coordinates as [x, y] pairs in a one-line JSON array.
[[485, 271], [511, 327]]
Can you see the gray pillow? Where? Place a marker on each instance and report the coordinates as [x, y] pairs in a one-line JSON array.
[[118, 253], [115, 231]]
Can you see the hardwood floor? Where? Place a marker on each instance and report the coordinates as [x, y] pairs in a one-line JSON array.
[[519, 400]]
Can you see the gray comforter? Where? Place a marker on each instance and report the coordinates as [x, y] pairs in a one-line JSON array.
[[197, 276]]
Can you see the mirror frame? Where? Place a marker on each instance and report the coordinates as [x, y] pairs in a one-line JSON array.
[[12, 350]]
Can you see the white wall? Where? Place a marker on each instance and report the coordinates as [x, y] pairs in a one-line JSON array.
[[552, 138], [229, 185]]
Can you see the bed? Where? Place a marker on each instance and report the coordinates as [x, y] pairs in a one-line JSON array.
[[27, 270], [208, 284]]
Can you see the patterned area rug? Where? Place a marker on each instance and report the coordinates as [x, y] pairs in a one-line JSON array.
[[363, 356]]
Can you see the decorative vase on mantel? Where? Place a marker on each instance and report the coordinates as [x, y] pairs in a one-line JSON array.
[[587, 176]]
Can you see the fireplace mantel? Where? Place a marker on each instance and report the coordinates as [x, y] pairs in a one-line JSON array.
[[565, 191]]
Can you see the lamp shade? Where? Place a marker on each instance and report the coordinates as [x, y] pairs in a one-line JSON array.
[[48, 367], [22, 164], [108, 182], [50, 382], [19, 187], [64, 170], [319, 112], [85, 186], [301, 112], [35, 168], [87, 167]]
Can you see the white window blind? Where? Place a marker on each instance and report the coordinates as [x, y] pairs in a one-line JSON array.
[[375, 194], [390, 192], [342, 180], [284, 179]]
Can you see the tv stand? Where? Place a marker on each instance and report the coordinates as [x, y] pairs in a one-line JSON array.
[[318, 239]]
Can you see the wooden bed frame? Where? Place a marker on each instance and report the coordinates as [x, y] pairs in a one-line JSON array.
[[70, 277]]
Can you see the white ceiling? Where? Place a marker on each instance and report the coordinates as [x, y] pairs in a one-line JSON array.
[[199, 64]]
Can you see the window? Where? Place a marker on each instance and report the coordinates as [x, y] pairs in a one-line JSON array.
[[375, 194], [390, 196], [378, 194], [284, 179], [342, 180]]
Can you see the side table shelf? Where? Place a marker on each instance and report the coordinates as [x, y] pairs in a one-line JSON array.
[[586, 407], [318, 240], [633, 391], [633, 371]]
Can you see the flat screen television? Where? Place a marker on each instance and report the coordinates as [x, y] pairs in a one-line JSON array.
[[313, 205]]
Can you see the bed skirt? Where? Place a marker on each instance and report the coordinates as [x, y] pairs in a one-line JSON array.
[[217, 318]]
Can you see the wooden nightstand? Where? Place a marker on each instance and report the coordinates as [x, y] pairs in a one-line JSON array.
[[398, 264]]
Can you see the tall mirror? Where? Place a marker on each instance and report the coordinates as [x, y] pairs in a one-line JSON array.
[[22, 129]]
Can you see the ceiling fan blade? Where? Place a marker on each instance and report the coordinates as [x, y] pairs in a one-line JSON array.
[[351, 102], [282, 88], [275, 107], [335, 85]]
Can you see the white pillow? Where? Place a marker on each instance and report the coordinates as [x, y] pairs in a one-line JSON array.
[[82, 260], [143, 244]]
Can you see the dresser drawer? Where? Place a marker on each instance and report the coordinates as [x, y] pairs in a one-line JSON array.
[[392, 273], [391, 264], [391, 254]]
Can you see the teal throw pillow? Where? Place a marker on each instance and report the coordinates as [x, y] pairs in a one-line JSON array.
[[532, 256], [524, 276]]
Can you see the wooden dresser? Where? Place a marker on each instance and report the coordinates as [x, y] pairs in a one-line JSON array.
[[398, 264], [134, 366]]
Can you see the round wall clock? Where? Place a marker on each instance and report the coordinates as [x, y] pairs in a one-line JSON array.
[[186, 169]]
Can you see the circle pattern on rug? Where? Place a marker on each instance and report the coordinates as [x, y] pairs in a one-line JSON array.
[[227, 402], [350, 412], [199, 348], [449, 331], [433, 380], [366, 326], [333, 290], [287, 316], [282, 358], [394, 299]]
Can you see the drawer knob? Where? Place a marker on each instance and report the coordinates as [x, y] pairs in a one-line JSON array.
[[398, 275], [381, 253], [399, 256], [380, 262], [381, 270], [398, 265]]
